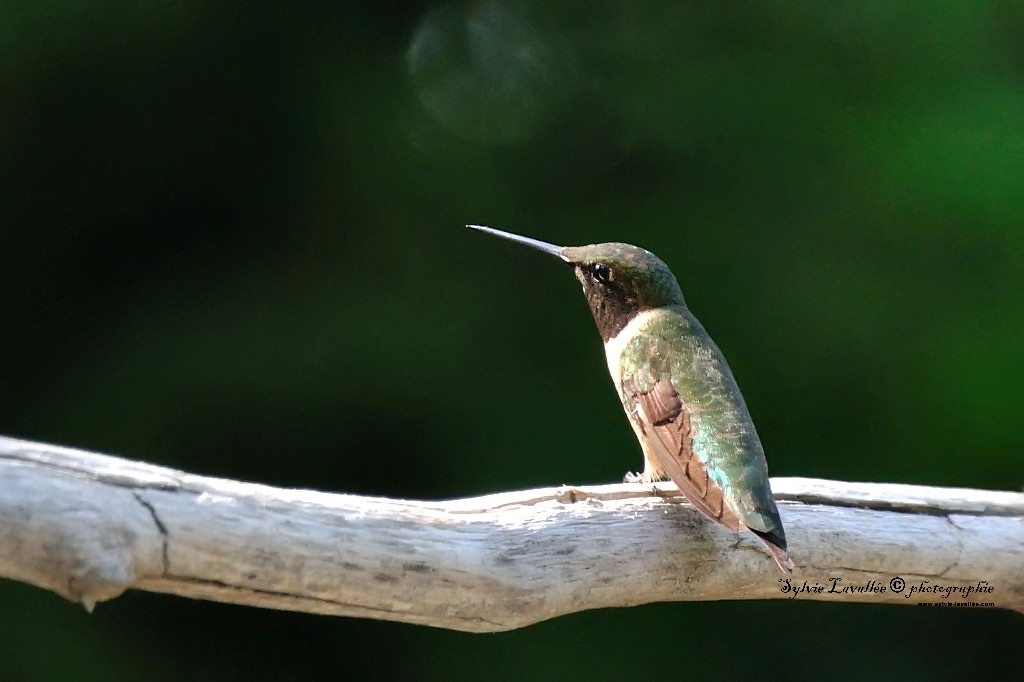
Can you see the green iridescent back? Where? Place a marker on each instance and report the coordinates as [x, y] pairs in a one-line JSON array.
[[675, 344]]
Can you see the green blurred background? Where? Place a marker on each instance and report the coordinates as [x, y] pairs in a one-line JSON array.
[[233, 243]]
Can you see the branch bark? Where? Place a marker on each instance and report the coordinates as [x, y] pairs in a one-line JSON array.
[[89, 526]]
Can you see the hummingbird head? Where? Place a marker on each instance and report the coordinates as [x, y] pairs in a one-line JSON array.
[[619, 280]]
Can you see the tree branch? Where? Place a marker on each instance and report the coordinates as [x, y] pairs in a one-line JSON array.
[[89, 526]]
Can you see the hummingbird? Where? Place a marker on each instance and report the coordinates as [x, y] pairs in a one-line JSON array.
[[676, 388]]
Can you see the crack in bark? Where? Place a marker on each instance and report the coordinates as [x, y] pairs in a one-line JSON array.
[[897, 507], [959, 548], [164, 534]]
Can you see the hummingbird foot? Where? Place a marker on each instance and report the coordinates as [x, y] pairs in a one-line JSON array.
[[633, 477], [648, 476]]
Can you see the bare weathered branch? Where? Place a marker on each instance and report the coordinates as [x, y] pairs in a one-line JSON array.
[[90, 526]]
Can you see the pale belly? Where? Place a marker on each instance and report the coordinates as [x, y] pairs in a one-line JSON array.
[[613, 353]]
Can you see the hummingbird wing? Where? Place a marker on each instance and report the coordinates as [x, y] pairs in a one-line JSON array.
[[666, 427], [676, 348]]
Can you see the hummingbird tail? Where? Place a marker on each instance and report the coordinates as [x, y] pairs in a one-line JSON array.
[[777, 547]]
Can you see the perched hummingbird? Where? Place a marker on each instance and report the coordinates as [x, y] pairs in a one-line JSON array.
[[675, 387]]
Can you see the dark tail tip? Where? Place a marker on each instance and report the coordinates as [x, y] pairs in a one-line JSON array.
[[777, 547]]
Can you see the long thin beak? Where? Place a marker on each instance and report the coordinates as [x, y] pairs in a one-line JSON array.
[[532, 243]]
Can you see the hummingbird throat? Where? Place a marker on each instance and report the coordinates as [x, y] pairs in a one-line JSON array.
[[612, 307]]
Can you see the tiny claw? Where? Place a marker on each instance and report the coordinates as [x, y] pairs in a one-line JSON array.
[[632, 477]]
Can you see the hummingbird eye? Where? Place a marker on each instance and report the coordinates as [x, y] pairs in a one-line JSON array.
[[601, 273]]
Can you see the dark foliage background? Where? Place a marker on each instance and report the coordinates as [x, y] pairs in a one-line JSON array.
[[232, 243]]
